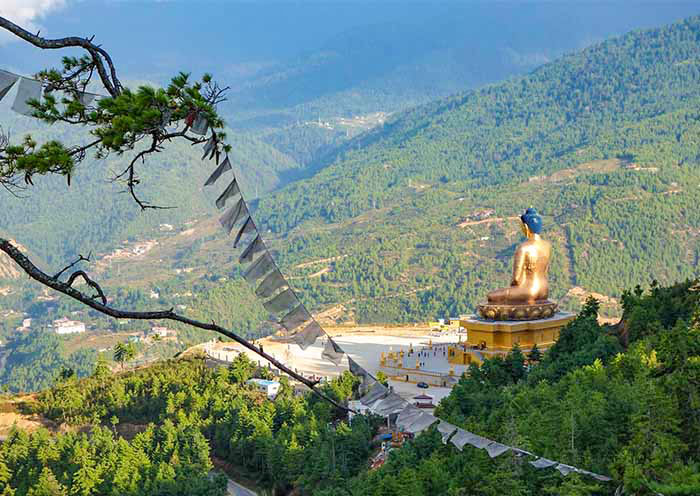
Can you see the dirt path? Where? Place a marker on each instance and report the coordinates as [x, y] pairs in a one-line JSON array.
[[322, 260], [485, 221]]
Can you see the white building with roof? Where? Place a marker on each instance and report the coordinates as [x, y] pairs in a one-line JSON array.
[[161, 331], [66, 326], [271, 388]]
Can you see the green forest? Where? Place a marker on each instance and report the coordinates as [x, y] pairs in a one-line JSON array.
[[56, 221], [603, 142], [618, 400]]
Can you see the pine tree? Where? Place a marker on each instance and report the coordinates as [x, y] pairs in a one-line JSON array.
[[535, 354], [47, 485]]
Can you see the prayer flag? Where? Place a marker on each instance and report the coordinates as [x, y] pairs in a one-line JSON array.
[[333, 352], [460, 439], [231, 190], [295, 318], [496, 449], [28, 89], [208, 146], [256, 246], [308, 335], [233, 215], [446, 429], [565, 469], [406, 417], [356, 369], [421, 423], [87, 98], [200, 124], [274, 281], [393, 403], [478, 441], [259, 268], [248, 227], [7, 80], [542, 463], [283, 301], [223, 167]]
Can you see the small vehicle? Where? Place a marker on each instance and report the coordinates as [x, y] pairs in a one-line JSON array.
[[423, 385]]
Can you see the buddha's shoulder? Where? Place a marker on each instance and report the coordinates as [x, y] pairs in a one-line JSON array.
[[535, 245]]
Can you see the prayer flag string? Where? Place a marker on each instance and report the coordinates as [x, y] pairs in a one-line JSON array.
[[29, 89]]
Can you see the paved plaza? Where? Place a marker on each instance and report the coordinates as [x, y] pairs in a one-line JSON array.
[[365, 348]]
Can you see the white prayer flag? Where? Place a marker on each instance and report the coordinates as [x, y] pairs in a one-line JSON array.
[[28, 89]]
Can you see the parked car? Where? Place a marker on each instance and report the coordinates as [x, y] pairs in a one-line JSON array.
[[423, 385]]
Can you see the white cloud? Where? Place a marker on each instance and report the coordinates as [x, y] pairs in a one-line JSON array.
[[25, 12]]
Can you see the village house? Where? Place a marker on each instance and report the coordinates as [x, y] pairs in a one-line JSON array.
[[271, 388], [66, 326]]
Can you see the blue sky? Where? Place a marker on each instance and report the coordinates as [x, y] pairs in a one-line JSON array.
[[167, 32]]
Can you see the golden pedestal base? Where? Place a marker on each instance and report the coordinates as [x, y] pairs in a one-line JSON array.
[[543, 310], [488, 338]]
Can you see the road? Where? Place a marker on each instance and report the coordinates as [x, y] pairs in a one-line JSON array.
[[233, 488]]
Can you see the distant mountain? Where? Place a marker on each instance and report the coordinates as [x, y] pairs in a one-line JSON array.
[[419, 210], [426, 52]]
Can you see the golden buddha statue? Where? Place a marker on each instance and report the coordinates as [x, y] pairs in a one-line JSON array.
[[526, 297]]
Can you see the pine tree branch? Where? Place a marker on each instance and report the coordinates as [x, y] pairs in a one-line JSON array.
[[181, 101], [98, 54], [65, 288]]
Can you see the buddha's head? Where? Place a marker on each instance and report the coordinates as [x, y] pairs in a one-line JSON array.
[[531, 222]]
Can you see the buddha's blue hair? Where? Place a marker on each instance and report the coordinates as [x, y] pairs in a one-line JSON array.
[[532, 219]]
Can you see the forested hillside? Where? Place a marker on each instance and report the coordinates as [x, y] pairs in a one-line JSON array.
[[602, 142], [56, 221], [621, 401], [618, 400], [417, 218]]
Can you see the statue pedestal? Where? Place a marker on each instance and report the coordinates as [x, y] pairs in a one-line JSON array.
[[501, 311], [487, 338]]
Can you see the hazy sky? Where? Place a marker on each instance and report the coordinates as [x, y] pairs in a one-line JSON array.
[[155, 39]]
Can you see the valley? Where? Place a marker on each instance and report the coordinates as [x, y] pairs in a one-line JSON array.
[[422, 336]]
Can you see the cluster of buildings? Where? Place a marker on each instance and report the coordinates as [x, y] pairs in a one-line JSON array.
[[64, 325]]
